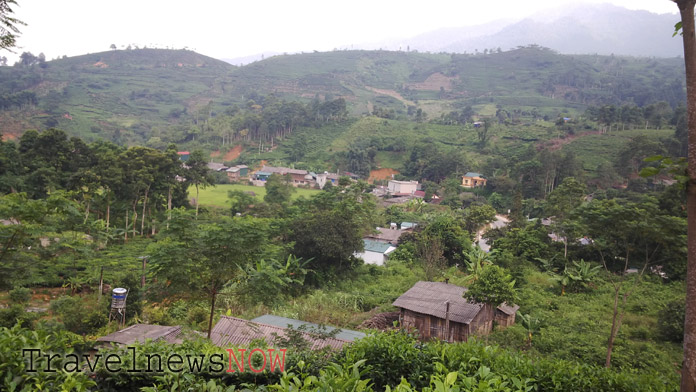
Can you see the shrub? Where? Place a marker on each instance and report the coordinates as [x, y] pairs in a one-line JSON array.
[[670, 321], [20, 295]]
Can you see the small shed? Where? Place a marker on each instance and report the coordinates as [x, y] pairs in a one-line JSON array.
[[505, 315], [439, 310]]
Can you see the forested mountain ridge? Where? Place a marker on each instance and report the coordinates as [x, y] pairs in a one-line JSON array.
[[130, 96]]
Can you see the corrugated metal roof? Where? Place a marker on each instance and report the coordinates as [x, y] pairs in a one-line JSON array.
[[386, 235], [237, 332], [282, 170], [507, 309], [473, 174], [142, 332], [344, 334], [430, 298], [376, 246]]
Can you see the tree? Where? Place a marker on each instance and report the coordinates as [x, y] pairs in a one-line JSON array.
[[562, 200], [688, 26], [625, 235], [278, 189], [198, 174], [8, 25], [476, 216], [493, 287], [240, 201], [202, 259], [429, 252]]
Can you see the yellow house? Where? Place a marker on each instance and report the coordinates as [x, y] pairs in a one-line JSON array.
[[472, 180]]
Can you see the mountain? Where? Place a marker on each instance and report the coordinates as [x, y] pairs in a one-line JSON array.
[[156, 95], [579, 29]]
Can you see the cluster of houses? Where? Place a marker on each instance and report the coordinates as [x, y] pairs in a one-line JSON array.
[[298, 177], [436, 310]]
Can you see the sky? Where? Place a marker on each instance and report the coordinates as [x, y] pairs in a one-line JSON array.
[[234, 28]]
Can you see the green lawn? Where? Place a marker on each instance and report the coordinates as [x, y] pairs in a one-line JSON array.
[[216, 196]]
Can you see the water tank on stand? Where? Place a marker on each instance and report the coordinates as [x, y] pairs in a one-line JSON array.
[[118, 298], [118, 305]]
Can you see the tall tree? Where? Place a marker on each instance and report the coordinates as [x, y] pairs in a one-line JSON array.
[[197, 173], [688, 25], [9, 30], [202, 259]]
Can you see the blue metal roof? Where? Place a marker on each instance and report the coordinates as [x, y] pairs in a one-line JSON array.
[[283, 322], [407, 225], [473, 174], [376, 246]]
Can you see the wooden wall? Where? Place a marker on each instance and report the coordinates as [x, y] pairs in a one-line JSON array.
[[503, 319], [431, 327]]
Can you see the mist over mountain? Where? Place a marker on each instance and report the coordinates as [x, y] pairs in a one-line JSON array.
[[582, 29]]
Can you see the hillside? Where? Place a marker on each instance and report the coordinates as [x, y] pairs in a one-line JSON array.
[[133, 96]]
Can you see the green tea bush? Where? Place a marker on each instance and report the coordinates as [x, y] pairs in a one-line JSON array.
[[20, 295], [392, 355]]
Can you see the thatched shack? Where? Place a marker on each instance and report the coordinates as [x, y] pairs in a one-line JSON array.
[[439, 311]]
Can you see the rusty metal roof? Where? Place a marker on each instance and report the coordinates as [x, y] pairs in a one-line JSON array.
[[237, 332], [142, 332]]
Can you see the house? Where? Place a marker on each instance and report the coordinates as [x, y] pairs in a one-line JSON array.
[[375, 252], [278, 321], [232, 331], [216, 166], [473, 179], [183, 155], [438, 310], [298, 177], [322, 178], [401, 188], [239, 172], [142, 332], [408, 225], [389, 236]]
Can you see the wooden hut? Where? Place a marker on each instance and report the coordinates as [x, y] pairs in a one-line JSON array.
[[505, 315], [439, 311]]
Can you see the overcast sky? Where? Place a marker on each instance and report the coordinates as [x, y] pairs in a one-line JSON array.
[[229, 28]]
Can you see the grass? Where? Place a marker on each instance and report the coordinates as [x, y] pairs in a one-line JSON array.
[[216, 196]]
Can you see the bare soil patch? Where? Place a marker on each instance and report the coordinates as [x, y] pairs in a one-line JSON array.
[[558, 143], [233, 153], [434, 82], [382, 174]]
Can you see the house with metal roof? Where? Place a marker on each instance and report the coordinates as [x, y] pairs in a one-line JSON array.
[[438, 310], [343, 334], [232, 331], [473, 180], [375, 252]]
